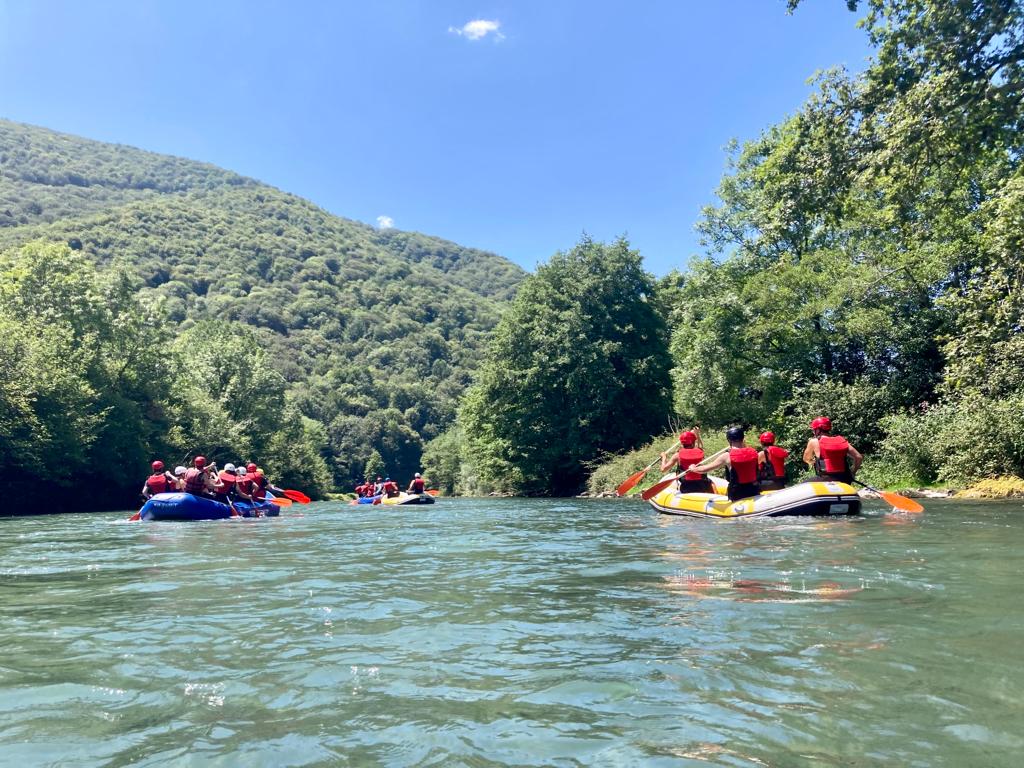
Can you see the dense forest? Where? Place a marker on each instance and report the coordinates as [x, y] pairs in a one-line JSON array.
[[864, 260], [362, 339]]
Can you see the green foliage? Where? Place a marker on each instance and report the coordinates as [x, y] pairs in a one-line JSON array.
[[372, 334], [872, 253], [577, 367], [444, 464], [80, 377], [92, 390]]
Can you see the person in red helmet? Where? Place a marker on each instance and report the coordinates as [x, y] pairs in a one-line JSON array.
[[690, 451], [201, 479], [256, 483], [830, 456], [740, 463], [161, 481], [771, 463]]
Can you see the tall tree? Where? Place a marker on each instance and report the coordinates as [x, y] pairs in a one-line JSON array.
[[577, 367]]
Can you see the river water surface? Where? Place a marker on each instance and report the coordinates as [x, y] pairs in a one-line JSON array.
[[514, 632]]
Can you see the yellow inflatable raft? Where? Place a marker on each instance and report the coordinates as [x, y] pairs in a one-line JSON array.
[[822, 499]]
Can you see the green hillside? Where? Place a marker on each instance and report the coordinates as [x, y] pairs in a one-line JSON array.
[[376, 332]]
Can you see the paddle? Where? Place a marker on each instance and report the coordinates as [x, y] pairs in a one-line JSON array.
[[298, 496], [636, 477], [660, 486], [136, 517], [894, 499], [433, 491], [279, 501]]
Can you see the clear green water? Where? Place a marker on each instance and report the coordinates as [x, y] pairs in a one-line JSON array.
[[514, 632]]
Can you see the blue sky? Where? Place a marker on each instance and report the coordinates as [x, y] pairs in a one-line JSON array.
[[514, 134]]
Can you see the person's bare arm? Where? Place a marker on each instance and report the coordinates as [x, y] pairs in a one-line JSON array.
[[811, 452], [718, 460], [858, 459], [668, 461]]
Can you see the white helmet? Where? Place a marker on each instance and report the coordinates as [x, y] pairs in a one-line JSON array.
[[178, 471], [417, 474], [229, 467]]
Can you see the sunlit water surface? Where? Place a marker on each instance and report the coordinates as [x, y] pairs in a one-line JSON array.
[[514, 632]]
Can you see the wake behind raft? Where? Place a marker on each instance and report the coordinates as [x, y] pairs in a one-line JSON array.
[[185, 506], [817, 499]]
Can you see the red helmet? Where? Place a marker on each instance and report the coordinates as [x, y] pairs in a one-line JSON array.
[[199, 461], [158, 466], [822, 422], [250, 467], [687, 438], [767, 438]]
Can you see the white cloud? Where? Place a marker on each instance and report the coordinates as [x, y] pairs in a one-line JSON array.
[[385, 222], [478, 29]]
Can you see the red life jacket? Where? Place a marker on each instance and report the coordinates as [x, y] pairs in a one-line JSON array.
[[418, 485], [688, 456], [360, 490], [229, 481], [195, 482], [244, 484], [743, 463], [391, 489], [259, 484], [774, 467], [159, 484], [834, 451]]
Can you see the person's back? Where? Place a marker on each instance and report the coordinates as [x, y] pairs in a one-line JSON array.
[[390, 488], [740, 463], [158, 482], [772, 463], [418, 484], [690, 451], [741, 472], [195, 477], [831, 456]]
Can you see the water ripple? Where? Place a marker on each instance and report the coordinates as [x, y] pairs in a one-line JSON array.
[[511, 632]]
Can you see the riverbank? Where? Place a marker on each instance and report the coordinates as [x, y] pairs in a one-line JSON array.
[[608, 473]]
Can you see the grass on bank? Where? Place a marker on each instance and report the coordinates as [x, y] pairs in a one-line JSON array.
[[609, 472]]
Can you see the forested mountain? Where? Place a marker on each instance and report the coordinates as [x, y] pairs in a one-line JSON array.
[[376, 332]]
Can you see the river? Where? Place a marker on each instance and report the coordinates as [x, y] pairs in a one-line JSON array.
[[514, 632]]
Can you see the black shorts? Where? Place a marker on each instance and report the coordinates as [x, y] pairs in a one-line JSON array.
[[703, 485], [834, 477], [739, 491]]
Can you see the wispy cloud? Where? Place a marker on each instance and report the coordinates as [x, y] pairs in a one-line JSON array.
[[478, 29], [385, 222]]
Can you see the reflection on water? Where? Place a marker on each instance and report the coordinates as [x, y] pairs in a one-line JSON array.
[[512, 632]]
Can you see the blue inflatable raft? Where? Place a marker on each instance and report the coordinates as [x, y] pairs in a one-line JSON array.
[[185, 506]]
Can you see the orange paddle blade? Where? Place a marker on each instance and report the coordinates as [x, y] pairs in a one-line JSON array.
[[298, 496], [901, 502], [279, 501], [630, 482], [137, 516], [433, 491], [657, 488]]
